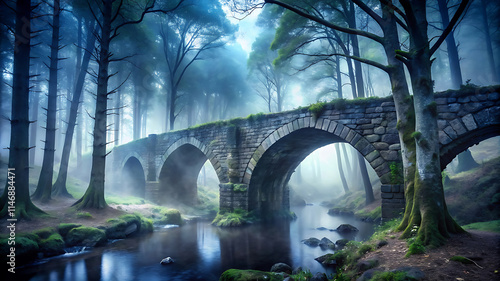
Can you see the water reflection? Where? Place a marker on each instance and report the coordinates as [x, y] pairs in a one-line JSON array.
[[201, 251]]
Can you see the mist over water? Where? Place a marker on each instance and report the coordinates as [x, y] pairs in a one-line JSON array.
[[202, 251]]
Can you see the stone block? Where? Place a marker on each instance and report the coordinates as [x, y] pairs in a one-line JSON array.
[[389, 155], [493, 96], [385, 195], [376, 120], [379, 130], [442, 124], [386, 188], [379, 109], [339, 129], [344, 132], [377, 162], [399, 195], [469, 122], [373, 138], [457, 126], [332, 126], [381, 145], [463, 99], [372, 155], [390, 138], [444, 138], [350, 135], [450, 132], [440, 101]]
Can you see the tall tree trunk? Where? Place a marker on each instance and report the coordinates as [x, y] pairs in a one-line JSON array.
[[173, 99], [428, 212], [339, 77], [19, 139], [118, 113], [35, 104], [136, 113], [366, 180], [495, 75], [341, 169], [453, 59], [355, 51], [94, 196], [59, 188], [44, 188]]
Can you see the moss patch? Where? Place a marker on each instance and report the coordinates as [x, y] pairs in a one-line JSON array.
[[169, 216], [238, 217], [53, 245], [86, 236], [249, 275], [64, 228]]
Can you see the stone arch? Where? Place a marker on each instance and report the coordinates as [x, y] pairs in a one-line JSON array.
[[133, 177], [461, 133], [286, 147], [179, 169]]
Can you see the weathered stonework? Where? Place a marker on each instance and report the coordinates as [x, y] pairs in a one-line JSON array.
[[262, 152]]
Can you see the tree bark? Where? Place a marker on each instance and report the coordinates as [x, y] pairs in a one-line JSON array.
[[495, 75], [44, 188], [453, 59], [351, 19], [19, 139], [136, 113], [366, 180], [428, 211], [35, 104], [59, 188], [94, 196]]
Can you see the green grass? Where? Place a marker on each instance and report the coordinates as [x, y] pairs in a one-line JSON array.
[[390, 276], [474, 195], [238, 217], [84, 215], [125, 200], [493, 226]]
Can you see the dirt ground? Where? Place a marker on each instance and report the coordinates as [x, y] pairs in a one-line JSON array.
[[481, 247]]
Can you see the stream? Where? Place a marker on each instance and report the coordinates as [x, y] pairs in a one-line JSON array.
[[201, 251]]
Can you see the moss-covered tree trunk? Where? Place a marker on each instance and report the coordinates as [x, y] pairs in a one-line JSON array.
[[43, 190], [428, 211], [19, 141], [94, 196]]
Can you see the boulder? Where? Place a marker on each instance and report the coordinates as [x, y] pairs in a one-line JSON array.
[[382, 243], [311, 242], [281, 267], [346, 228], [367, 275], [319, 277], [167, 260], [326, 243], [414, 273], [86, 236], [341, 242], [330, 260], [364, 265]]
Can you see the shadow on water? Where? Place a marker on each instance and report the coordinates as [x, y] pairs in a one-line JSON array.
[[202, 251]]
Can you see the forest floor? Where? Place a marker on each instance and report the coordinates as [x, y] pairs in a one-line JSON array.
[[60, 211], [480, 246]]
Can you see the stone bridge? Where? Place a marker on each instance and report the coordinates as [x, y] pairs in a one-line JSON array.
[[254, 157]]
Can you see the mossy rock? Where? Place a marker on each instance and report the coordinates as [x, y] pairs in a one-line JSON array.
[[332, 260], [249, 275], [123, 226], [170, 216], [146, 225], [86, 236], [52, 246], [44, 233], [26, 250], [64, 228]]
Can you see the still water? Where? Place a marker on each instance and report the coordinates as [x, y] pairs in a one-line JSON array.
[[201, 251]]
